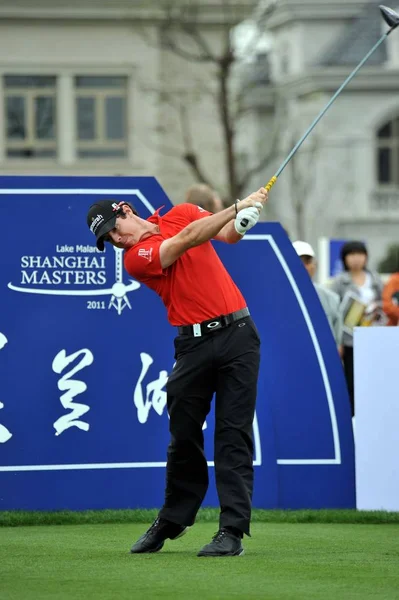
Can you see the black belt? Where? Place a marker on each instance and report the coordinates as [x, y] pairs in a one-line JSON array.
[[199, 329]]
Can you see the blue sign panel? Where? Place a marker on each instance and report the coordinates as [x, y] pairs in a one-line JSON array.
[[85, 353]]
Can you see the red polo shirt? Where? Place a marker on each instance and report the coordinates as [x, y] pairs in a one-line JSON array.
[[197, 286]]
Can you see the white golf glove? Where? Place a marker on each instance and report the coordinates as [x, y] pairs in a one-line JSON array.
[[247, 218]]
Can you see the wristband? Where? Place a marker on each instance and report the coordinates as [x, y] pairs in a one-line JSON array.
[[235, 206]]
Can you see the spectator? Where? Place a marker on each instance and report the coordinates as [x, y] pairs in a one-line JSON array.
[[360, 293], [204, 196], [390, 298], [329, 300]]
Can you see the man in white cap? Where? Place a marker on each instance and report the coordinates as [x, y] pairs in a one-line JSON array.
[[329, 300]]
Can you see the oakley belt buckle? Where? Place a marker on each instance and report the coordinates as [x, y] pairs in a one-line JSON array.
[[216, 324]]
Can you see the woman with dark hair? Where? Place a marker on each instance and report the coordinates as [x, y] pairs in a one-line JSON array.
[[360, 292]]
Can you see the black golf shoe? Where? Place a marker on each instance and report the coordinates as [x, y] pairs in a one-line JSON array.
[[224, 543], [154, 538]]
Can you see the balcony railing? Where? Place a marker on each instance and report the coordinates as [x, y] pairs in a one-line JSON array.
[[385, 200]]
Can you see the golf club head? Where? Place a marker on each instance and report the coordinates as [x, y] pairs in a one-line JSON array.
[[390, 16]]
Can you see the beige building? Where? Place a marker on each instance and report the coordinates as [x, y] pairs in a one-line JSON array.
[[86, 88], [345, 180]]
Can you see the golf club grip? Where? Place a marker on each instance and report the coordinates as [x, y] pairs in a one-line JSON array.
[[268, 187], [271, 183]]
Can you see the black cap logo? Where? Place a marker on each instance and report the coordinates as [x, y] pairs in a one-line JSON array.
[[96, 222]]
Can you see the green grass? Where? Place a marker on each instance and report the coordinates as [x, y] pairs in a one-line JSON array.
[[206, 515], [283, 561]]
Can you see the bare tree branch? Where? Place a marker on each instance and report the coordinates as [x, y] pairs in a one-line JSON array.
[[202, 88], [302, 182], [260, 166], [201, 42], [146, 37], [192, 161], [182, 34], [186, 131], [226, 7], [337, 197], [171, 46], [161, 148], [189, 156], [240, 106], [179, 104], [227, 45], [227, 127], [270, 154], [186, 22]]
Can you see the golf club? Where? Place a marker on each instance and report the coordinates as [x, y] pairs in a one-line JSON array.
[[392, 19]]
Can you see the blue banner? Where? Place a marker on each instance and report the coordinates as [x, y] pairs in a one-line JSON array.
[[85, 353], [335, 262]]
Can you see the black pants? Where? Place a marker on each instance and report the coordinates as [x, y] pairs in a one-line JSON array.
[[348, 368], [225, 361]]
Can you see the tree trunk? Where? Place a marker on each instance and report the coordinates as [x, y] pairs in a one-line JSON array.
[[300, 220], [298, 199], [227, 125]]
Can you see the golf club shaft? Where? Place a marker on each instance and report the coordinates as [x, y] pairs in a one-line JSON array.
[[325, 109], [273, 180]]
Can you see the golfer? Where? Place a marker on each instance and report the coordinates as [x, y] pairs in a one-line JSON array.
[[216, 350]]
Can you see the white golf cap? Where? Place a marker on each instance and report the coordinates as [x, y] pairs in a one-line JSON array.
[[303, 249]]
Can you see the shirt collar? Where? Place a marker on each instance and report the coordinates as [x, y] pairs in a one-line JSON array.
[[155, 218]]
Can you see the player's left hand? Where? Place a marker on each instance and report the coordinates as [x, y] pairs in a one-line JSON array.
[[259, 197], [250, 216]]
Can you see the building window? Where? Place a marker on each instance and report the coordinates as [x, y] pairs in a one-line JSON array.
[[30, 112], [101, 116], [388, 153]]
